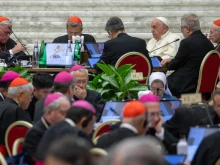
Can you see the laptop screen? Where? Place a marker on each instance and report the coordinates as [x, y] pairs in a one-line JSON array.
[[93, 61], [196, 135], [95, 49], [175, 159], [168, 108], [112, 110], [156, 62], [58, 55]]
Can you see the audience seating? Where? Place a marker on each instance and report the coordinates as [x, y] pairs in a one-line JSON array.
[[142, 64], [17, 146], [16, 130], [2, 160], [103, 128], [3, 150], [208, 75], [98, 151]]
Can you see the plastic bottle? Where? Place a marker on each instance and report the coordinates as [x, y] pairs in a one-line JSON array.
[[182, 147]]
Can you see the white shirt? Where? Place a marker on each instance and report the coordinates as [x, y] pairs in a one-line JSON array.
[[167, 51], [130, 127]]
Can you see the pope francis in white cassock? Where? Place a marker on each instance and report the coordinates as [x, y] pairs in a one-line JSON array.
[[161, 37]]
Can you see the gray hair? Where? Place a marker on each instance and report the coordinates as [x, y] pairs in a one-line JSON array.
[[55, 104], [114, 24], [14, 91], [139, 150], [6, 22], [74, 24], [192, 21], [80, 70]]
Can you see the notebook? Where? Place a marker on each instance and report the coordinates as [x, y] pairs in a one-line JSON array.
[[156, 61], [175, 159], [112, 110], [196, 135], [95, 49]]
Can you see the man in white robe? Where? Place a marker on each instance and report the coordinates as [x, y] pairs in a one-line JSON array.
[[161, 37]]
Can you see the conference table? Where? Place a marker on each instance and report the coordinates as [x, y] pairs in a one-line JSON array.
[[91, 70]]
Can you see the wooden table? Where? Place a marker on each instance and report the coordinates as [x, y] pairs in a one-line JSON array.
[[91, 70]]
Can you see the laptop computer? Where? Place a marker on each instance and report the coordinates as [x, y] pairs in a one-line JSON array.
[[95, 49], [168, 108], [112, 110], [58, 55], [93, 61], [156, 61], [175, 159], [196, 135]]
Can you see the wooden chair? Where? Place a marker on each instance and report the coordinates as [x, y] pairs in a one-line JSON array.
[[2, 160], [103, 128], [208, 75], [142, 64], [15, 131], [16, 148]]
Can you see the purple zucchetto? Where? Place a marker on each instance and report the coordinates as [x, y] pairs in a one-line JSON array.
[[9, 76], [84, 104], [51, 98], [63, 77], [149, 98], [76, 67]]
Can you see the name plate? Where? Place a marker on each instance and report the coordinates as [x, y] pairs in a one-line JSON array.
[[191, 98]]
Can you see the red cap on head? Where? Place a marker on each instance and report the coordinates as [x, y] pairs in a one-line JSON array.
[[18, 82], [217, 22], [133, 109], [2, 18], [75, 19]]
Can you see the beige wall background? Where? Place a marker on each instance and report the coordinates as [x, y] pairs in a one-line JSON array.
[[46, 19]]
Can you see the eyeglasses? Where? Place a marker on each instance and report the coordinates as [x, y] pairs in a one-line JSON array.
[[6, 33], [80, 82], [157, 89], [74, 33]]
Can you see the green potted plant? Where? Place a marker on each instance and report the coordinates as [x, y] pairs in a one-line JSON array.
[[23, 72], [116, 84]]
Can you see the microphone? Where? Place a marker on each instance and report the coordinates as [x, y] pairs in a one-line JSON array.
[[165, 45], [20, 42]]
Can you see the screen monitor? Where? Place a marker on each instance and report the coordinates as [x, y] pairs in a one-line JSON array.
[[95, 49]]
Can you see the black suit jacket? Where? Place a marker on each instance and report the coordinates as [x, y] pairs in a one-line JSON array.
[[64, 39], [209, 151], [39, 110], [33, 138], [10, 112], [187, 63], [206, 121], [31, 107], [122, 44], [114, 137]]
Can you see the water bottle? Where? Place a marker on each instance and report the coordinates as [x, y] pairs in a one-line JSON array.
[[69, 55], [35, 55], [182, 147], [77, 55]]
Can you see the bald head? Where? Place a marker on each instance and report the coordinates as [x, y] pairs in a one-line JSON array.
[[158, 28], [215, 33]]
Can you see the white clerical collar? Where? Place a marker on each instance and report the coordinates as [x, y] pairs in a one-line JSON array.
[[130, 127], [2, 96], [164, 35], [70, 122]]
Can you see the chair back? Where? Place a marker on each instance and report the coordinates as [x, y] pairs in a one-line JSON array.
[[16, 130], [142, 64], [2, 160], [17, 146], [103, 128], [208, 74]]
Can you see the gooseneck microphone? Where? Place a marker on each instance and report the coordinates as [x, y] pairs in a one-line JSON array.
[[165, 45], [20, 42]]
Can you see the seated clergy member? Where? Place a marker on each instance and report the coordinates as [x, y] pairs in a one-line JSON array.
[[133, 124], [188, 59], [74, 27], [13, 107], [155, 121], [215, 33], [79, 122], [56, 107], [158, 86], [8, 46], [63, 83], [120, 42], [161, 37], [80, 76], [5, 81], [43, 85]]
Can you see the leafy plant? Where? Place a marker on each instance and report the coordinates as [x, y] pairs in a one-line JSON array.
[[116, 84], [23, 72]]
